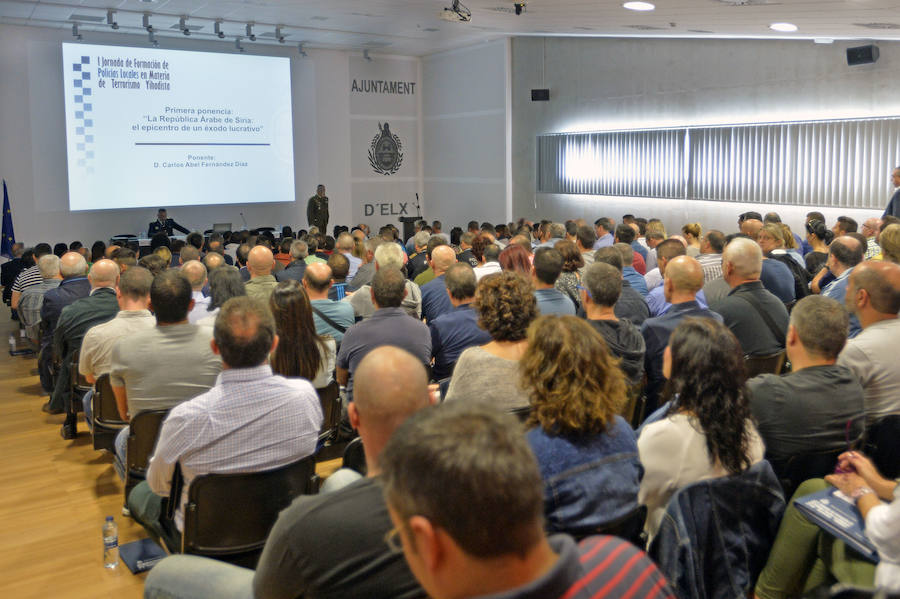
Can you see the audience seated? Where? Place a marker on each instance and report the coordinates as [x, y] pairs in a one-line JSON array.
[[491, 262], [294, 269], [435, 301], [366, 270], [301, 351], [506, 307], [631, 304], [707, 428], [458, 329], [390, 324], [260, 263], [818, 406], [339, 266], [602, 285], [547, 267], [587, 454], [873, 296], [159, 368], [805, 557], [757, 318], [844, 254], [250, 420], [470, 526], [224, 284], [710, 257], [629, 273], [418, 257], [196, 275], [32, 298], [656, 300], [74, 321], [388, 255], [29, 276]]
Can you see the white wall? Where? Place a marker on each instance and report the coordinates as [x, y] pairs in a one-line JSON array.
[[465, 124], [32, 143], [598, 84]]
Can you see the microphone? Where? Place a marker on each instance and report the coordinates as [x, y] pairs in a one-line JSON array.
[[246, 226]]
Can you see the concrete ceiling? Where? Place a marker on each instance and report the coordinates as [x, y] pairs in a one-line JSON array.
[[414, 27]]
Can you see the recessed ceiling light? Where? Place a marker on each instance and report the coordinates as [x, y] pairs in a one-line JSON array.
[[638, 6], [785, 27]]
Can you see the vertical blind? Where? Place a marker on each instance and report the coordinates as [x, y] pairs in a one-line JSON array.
[[841, 163]]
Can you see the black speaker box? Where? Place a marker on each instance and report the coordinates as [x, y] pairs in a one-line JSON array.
[[540, 95], [862, 55]]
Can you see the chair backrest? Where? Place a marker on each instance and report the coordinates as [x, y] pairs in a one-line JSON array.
[[355, 457], [142, 435], [330, 398], [105, 410], [798, 468], [78, 382], [883, 445], [229, 516], [771, 364], [716, 534]]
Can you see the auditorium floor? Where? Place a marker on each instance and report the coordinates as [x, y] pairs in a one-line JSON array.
[[54, 496]]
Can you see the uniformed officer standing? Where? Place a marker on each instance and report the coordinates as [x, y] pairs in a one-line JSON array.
[[317, 210]]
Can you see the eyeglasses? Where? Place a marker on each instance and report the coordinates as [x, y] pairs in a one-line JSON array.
[[581, 288], [392, 540]]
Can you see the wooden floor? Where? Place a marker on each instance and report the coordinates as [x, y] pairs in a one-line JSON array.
[[54, 497]]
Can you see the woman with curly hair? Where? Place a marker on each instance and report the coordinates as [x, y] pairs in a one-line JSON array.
[[506, 306], [516, 258], [568, 280], [301, 352], [708, 430], [587, 454]]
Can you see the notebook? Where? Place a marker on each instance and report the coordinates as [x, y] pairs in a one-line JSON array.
[[837, 514]]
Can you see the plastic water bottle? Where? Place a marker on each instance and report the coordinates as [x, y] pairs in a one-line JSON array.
[[110, 543]]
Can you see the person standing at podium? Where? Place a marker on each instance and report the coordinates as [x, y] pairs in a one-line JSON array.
[[164, 224]]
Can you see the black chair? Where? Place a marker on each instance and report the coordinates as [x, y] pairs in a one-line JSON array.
[[143, 430], [634, 408], [228, 516], [629, 527], [106, 422], [78, 385], [771, 364], [883, 445], [355, 457], [798, 468], [330, 398]]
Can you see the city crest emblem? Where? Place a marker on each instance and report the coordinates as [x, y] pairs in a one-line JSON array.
[[386, 151]]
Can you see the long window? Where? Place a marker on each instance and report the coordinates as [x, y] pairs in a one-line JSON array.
[[843, 163]]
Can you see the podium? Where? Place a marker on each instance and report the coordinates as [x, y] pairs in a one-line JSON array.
[[409, 226]]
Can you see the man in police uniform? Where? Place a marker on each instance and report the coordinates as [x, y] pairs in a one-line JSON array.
[[317, 210], [166, 225]]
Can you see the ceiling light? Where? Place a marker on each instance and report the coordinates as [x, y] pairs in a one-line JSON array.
[[237, 44], [111, 19], [250, 35], [278, 34], [182, 24], [301, 50], [75, 33], [638, 6], [784, 27], [217, 29]]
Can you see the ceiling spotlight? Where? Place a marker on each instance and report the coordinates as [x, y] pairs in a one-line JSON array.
[[182, 24], [237, 44], [278, 35], [366, 55], [152, 38], [300, 50], [250, 35], [217, 29], [75, 33], [111, 19], [146, 22], [641, 6], [785, 27], [457, 13], [519, 7]]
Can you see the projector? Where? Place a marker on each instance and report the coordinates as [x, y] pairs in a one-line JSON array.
[[457, 13]]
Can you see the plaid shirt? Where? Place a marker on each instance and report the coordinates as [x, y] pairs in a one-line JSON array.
[[251, 420]]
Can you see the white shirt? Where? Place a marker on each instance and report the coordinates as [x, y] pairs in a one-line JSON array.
[[95, 357], [200, 307], [653, 278], [488, 268], [873, 357], [883, 529]]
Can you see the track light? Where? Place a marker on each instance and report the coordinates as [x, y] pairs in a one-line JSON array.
[[152, 38], [300, 50], [146, 22], [237, 44], [111, 19], [250, 35], [182, 24], [75, 33], [217, 28], [278, 35], [366, 55]]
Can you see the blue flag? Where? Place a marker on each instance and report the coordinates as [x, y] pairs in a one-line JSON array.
[[9, 237]]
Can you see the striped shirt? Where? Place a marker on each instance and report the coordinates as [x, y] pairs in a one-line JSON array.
[[599, 566], [251, 420], [711, 265], [27, 278]]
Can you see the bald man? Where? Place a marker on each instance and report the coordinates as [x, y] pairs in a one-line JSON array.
[[656, 298], [683, 279], [331, 318], [873, 296], [751, 228], [196, 275], [435, 300], [351, 521], [870, 229], [74, 321], [260, 262], [757, 318]]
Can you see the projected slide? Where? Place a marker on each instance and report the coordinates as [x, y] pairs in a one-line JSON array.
[[148, 127]]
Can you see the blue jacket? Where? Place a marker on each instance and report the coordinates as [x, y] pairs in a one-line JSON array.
[[716, 535], [588, 482]]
